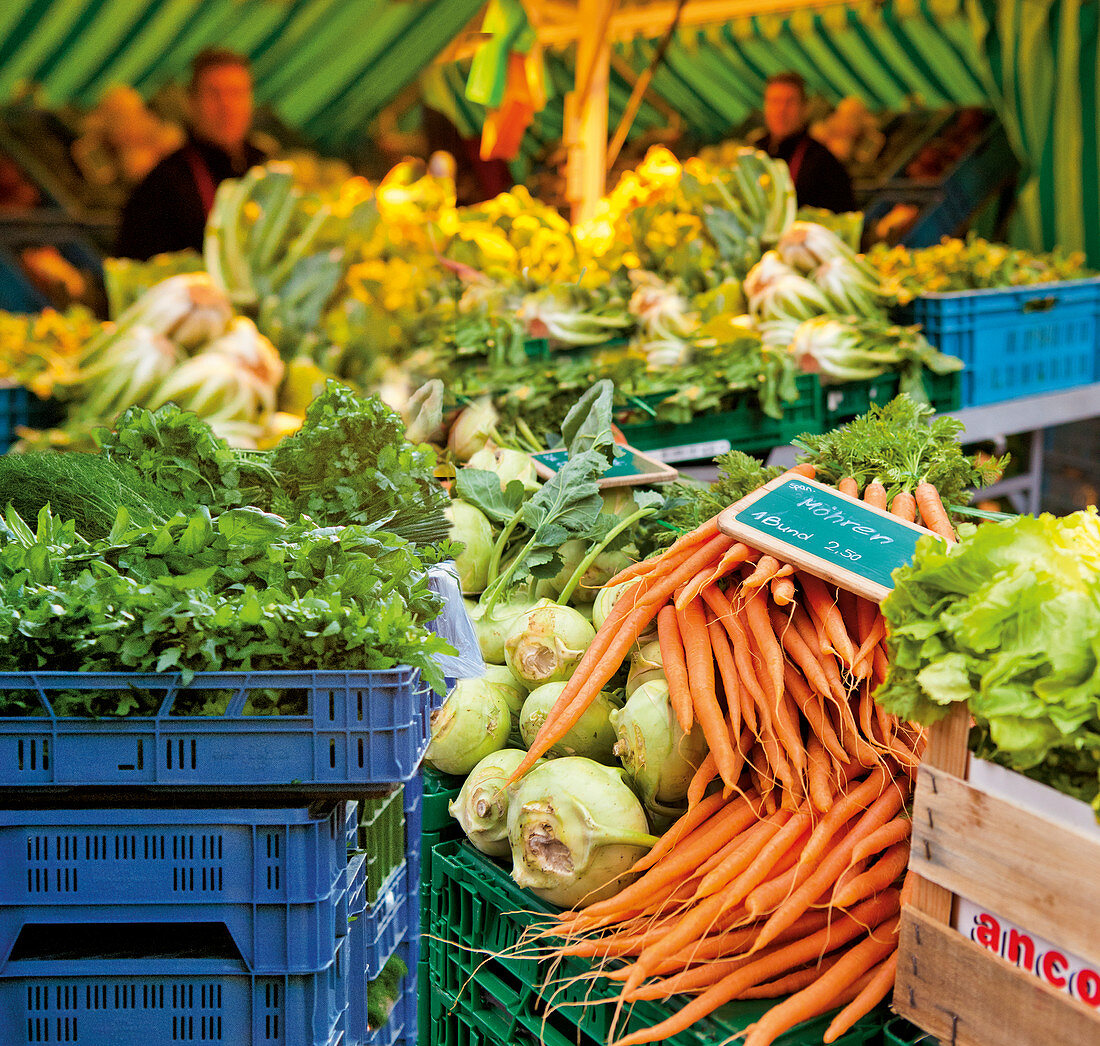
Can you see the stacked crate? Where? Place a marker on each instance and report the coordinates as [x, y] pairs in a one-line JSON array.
[[220, 878]]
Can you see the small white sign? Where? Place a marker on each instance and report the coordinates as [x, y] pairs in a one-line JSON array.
[[692, 451]]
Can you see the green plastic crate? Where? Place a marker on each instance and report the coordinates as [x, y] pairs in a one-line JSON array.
[[381, 837], [746, 427], [899, 1032], [438, 826], [424, 1035], [849, 399], [477, 917], [439, 790]]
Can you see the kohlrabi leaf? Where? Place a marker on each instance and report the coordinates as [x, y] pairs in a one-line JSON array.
[[481, 489], [569, 503], [587, 426]]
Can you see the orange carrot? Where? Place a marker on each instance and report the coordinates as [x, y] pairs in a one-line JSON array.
[[875, 494], [877, 988], [679, 830], [745, 851], [830, 868], [783, 842], [880, 875], [674, 661], [799, 652], [692, 621], [809, 634], [731, 820], [875, 633], [858, 798], [683, 547], [900, 828], [847, 485], [756, 614], [932, 512], [792, 982], [904, 506], [727, 672], [823, 605], [881, 663], [842, 930], [751, 693], [705, 772], [783, 590], [733, 557], [819, 785], [814, 713], [729, 942], [766, 568], [823, 993]]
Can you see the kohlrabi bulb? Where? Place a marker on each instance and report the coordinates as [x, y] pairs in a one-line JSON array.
[[591, 736], [481, 807], [575, 830], [659, 758], [545, 643], [474, 721]]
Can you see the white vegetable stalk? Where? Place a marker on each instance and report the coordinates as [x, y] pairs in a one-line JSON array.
[[849, 288], [127, 371], [806, 245], [764, 273], [832, 347], [235, 378], [661, 310], [789, 297], [188, 308]]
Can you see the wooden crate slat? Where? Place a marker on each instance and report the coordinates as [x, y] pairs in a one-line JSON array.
[[965, 996], [1040, 875]]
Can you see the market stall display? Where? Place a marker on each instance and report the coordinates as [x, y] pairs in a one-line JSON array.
[[685, 789], [817, 767]]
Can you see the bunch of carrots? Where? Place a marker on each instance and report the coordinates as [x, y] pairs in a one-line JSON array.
[[784, 876]]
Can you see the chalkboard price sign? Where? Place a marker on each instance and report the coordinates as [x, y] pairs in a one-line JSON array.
[[818, 529], [630, 468]]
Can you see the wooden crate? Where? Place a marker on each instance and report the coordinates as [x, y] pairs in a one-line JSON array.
[[1027, 868]]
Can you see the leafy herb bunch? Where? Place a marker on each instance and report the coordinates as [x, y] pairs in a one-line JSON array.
[[244, 590]]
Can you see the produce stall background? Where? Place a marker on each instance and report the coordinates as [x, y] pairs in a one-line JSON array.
[[1033, 63]]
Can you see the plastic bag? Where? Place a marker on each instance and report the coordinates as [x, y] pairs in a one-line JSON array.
[[454, 625]]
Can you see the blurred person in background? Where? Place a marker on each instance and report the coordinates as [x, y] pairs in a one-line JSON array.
[[167, 211], [820, 179]]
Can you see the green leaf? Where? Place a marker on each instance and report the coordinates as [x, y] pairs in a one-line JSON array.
[[587, 426], [568, 503], [481, 489], [168, 659]]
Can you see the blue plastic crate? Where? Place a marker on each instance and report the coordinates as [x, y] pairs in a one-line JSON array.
[[21, 407], [352, 885], [358, 728], [1015, 341], [401, 1025], [275, 879], [150, 999], [377, 930], [401, 1028]]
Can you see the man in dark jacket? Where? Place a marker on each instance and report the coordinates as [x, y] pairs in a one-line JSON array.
[[820, 179], [168, 209]]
